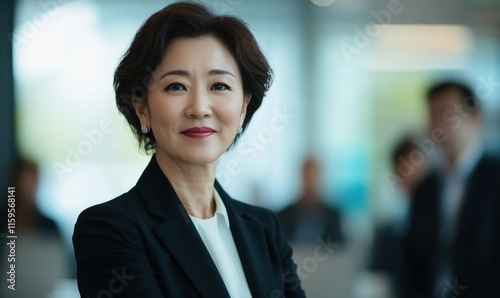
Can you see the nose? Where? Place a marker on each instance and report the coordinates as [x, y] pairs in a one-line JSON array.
[[198, 105]]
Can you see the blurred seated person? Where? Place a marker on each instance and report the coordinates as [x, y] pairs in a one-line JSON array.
[[309, 218], [408, 165], [452, 248], [29, 219], [41, 258]]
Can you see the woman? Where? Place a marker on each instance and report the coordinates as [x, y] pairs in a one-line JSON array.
[[188, 86]]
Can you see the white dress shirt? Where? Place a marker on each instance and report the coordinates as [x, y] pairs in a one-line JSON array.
[[216, 234]]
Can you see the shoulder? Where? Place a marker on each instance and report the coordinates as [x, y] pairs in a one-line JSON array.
[[118, 224], [427, 185], [329, 209], [256, 212], [47, 225], [293, 207], [124, 208], [258, 215], [488, 165], [483, 181], [117, 204]]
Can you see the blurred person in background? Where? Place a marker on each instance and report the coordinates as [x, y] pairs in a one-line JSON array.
[[30, 219], [310, 218], [177, 233], [387, 250], [41, 257], [452, 248]]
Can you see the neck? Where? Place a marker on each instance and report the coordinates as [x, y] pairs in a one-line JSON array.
[[455, 153], [310, 199], [194, 184]]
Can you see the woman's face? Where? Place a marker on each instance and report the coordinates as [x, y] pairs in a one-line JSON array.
[[195, 101]]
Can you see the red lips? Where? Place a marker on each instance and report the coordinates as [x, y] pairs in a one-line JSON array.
[[198, 132]]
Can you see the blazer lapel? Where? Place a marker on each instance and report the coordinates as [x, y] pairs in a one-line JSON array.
[[476, 220], [183, 242], [250, 240], [178, 233]]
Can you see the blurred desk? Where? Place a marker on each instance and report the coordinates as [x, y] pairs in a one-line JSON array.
[[65, 288], [339, 274], [40, 263]]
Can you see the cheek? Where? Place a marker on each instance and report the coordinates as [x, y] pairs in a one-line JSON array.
[[162, 110], [231, 112], [437, 119]]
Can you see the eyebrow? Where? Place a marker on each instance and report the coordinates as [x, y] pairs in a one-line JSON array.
[[186, 74], [221, 72]]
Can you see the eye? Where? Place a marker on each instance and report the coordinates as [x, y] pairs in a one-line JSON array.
[[220, 87], [175, 87]]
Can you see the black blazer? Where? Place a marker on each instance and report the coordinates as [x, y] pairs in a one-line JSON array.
[[143, 244], [475, 253]]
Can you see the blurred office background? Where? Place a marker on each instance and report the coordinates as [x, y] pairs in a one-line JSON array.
[[350, 81]]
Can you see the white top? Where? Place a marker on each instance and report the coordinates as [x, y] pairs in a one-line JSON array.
[[216, 234], [454, 184]]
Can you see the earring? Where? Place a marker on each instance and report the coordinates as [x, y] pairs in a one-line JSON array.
[[240, 130], [144, 129]]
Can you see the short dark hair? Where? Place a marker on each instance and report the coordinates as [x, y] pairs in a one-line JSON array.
[[469, 99], [20, 167], [403, 147], [187, 19]]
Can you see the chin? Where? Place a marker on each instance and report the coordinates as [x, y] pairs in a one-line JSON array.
[[201, 158]]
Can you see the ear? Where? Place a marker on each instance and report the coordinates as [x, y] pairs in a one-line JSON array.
[[246, 101], [142, 111]]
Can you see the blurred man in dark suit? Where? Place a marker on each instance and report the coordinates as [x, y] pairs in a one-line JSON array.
[[309, 218], [452, 248], [387, 248]]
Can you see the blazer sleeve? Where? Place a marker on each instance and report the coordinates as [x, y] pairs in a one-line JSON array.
[[111, 256], [291, 280]]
